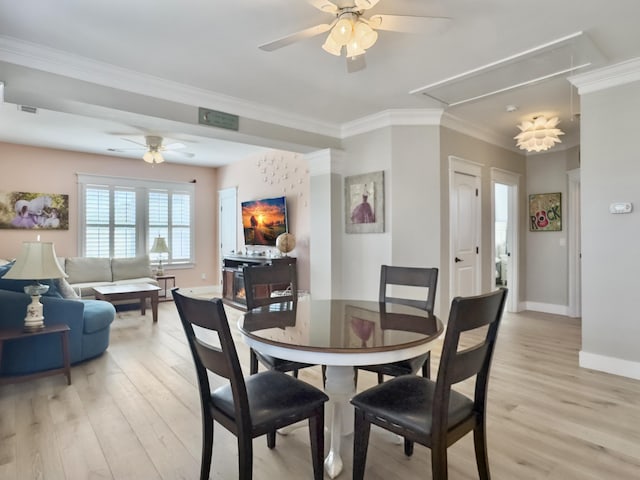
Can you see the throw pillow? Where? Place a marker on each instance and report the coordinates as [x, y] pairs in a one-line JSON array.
[[65, 289]]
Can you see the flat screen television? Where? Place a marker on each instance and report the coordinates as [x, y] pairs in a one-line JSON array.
[[263, 220]]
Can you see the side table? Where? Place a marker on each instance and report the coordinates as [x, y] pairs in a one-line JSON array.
[[17, 333], [165, 297]]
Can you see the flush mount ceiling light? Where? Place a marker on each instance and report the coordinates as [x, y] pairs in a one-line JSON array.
[[538, 135]]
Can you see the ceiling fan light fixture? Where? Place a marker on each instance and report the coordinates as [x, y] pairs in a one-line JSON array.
[[365, 35], [343, 29], [354, 48], [539, 135], [330, 46]]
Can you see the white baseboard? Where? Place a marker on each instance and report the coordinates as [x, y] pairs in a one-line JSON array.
[[547, 308], [616, 366]]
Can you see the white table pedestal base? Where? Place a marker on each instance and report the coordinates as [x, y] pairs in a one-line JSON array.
[[340, 389]]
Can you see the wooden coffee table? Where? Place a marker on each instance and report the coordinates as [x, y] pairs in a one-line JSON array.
[[137, 291]]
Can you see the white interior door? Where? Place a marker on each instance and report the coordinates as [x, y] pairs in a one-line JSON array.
[[228, 220], [465, 232]]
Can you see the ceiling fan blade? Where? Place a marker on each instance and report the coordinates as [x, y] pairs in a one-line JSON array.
[[174, 146], [123, 150], [406, 23], [143, 145], [324, 5], [295, 37], [355, 64], [366, 4], [170, 153]]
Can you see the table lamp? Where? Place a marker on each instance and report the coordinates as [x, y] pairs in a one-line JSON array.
[[159, 247], [37, 261]]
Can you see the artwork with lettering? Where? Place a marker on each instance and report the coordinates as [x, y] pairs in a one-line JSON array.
[[545, 212]]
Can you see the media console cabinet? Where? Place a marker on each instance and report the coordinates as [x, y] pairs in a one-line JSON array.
[[233, 279]]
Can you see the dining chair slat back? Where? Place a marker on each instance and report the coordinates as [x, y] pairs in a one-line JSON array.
[[250, 407], [409, 276], [431, 413]]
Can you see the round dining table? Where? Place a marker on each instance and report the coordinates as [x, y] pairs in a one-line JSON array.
[[340, 334]]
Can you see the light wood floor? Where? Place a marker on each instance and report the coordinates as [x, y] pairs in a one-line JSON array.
[[133, 413]]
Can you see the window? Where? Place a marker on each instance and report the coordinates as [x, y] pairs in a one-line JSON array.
[[120, 217]]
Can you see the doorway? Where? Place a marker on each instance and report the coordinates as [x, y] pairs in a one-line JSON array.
[[504, 238], [464, 227], [228, 221], [575, 249]]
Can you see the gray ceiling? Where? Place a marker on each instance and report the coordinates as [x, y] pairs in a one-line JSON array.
[[88, 64]]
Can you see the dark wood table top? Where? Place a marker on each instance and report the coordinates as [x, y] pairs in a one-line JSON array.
[[340, 326]]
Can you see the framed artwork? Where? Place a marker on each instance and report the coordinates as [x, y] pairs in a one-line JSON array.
[[364, 203], [49, 211], [545, 212]]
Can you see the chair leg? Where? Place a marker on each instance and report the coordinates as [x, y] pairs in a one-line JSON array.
[[380, 378], [426, 366], [361, 432], [295, 373], [207, 446], [408, 447], [271, 439], [316, 437], [439, 461], [245, 458], [253, 362], [480, 444]]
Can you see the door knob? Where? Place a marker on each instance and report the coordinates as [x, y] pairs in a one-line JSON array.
[[458, 260]]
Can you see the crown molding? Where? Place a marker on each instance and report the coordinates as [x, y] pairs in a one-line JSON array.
[[54, 61], [607, 77], [393, 117], [473, 130]]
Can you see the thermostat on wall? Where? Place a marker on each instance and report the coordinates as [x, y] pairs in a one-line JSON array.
[[621, 207]]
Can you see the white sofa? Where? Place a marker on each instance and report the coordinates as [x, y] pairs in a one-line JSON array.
[[88, 272]]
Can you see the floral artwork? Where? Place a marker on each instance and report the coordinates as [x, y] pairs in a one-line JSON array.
[[545, 212], [49, 211]]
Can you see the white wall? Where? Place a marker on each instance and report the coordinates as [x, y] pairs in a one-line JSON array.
[[546, 267], [610, 172]]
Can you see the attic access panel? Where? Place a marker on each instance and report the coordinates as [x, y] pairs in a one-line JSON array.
[[558, 57]]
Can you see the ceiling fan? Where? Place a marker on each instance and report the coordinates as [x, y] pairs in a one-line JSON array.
[[350, 32], [154, 149]]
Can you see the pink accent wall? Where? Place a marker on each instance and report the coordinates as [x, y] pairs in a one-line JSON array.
[[33, 169], [275, 174]]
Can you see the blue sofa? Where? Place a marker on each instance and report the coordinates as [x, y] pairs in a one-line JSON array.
[[89, 320]]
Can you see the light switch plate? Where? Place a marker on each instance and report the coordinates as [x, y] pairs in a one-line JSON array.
[[621, 207]]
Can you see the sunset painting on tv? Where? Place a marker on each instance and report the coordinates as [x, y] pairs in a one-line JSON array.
[[263, 220]]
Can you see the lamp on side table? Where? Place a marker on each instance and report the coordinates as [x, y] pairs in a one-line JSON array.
[[160, 247], [37, 261]]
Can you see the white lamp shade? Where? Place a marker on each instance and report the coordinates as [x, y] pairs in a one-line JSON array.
[[37, 261], [159, 246], [354, 48]]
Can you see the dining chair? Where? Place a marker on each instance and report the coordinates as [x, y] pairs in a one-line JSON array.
[[425, 278], [432, 413], [260, 282], [247, 407]]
